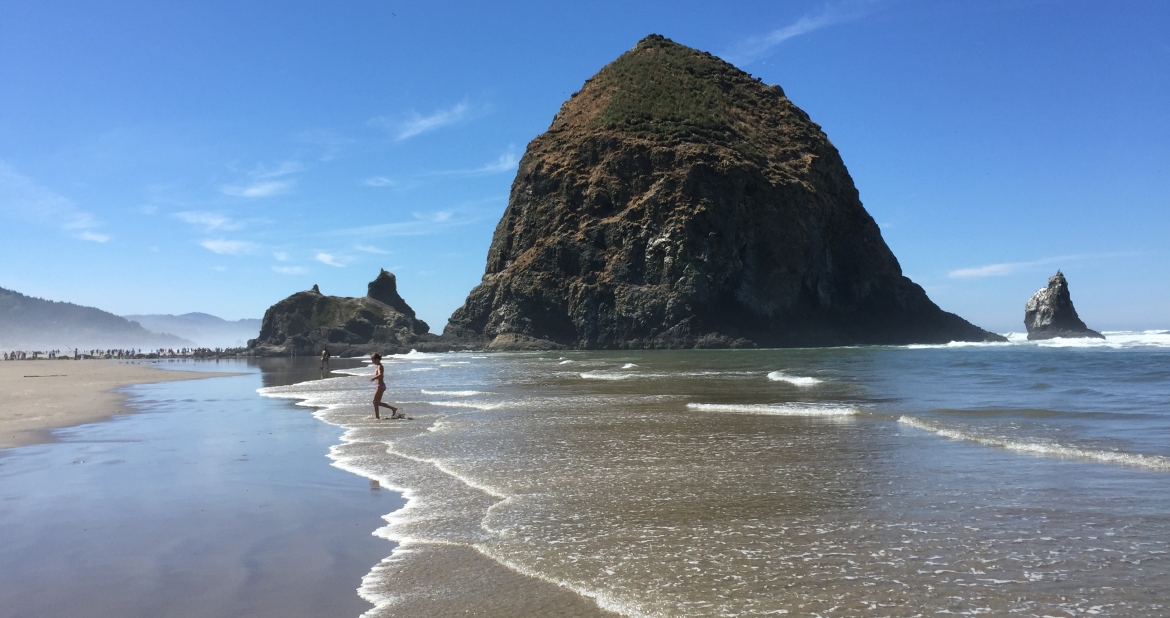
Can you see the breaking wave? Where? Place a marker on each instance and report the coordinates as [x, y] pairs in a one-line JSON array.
[[1117, 339], [454, 393], [1043, 449], [801, 381], [776, 409]]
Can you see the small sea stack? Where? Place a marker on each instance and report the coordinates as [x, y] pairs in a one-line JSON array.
[[678, 202], [1050, 313], [309, 321]]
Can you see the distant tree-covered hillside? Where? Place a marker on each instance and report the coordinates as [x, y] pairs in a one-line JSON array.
[[204, 329], [28, 323]]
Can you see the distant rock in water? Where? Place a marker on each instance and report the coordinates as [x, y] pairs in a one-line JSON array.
[[677, 202], [1050, 313], [307, 322], [28, 323]]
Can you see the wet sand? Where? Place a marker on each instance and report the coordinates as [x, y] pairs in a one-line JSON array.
[[40, 396], [209, 501]]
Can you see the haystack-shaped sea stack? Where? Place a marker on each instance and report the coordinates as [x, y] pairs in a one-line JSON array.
[[1050, 313], [307, 322], [678, 202]]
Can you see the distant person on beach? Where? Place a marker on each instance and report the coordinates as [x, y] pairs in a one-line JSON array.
[[325, 359], [380, 389]]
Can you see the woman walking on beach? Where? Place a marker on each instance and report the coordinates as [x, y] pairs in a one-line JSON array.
[[381, 388]]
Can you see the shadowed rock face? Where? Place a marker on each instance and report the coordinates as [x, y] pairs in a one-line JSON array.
[[307, 322], [1050, 313], [677, 202], [385, 290]]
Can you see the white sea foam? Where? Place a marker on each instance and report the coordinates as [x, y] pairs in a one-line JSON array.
[[609, 375], [1122, 339], [628, 366], [416, 355], [801, 381], [1042, 449], [423, 369], [630, 375], [776, 409], [476, 405], [960, 344], [454, 393], [1119, 339]]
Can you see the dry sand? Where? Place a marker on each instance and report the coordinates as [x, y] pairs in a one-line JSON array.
[[39, 396]]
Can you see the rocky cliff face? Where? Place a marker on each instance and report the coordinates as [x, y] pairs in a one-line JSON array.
[[1050, 313], [307, 322], [677, 202]]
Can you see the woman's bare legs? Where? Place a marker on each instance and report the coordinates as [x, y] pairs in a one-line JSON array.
[[378, 403]]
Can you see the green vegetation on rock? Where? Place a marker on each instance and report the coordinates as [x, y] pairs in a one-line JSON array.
[[665, 89]]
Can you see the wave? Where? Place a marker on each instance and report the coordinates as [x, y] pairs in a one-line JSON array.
[[1117, 339], [629, 375], [475, 405], [776, 409], [415, 355], [454, 393], [628, 366], [1150, 462], [961, 344], [801, 381], [612, 375]]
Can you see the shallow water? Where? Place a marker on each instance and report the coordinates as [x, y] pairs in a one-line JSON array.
[[1019, 478], [209, 502]]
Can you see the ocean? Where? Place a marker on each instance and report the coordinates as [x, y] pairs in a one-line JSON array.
[[1021, 478]]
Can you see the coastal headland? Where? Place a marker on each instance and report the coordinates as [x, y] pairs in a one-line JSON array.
[[40, 396]]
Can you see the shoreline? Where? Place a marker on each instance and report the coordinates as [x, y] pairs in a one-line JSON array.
[[209, 500], [492, 586], [42, 396]]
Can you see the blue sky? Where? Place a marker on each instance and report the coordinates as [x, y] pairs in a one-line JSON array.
[[166, 157]]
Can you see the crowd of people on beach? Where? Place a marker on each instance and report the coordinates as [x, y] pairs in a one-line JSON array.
[[119, 353]]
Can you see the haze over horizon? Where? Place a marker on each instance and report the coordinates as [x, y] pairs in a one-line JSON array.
[[166, 159]]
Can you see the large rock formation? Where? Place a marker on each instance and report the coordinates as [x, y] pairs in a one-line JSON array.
[[1050, 313], [677, 202], [307, 322]]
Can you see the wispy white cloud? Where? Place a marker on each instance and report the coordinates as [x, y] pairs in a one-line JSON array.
[[417, 124], [379, 181], [753, 47], [280, 170], [289, 270], [23, 199], [1004, 269], [265, 188], [209, 221], [330, 259], [439, 216], [93, 236], [281, 256], [228, 247], [369, 249], [506, 163], [266, 181]]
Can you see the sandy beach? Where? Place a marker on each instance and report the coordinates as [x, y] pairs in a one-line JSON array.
[[40, 396], [207, 501]]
